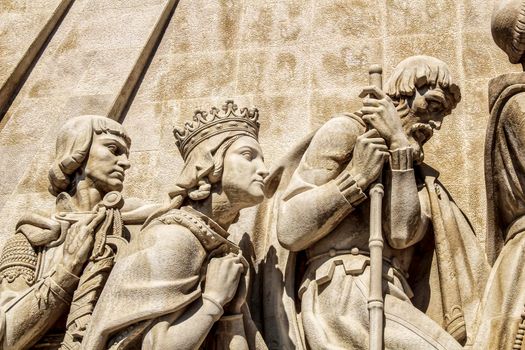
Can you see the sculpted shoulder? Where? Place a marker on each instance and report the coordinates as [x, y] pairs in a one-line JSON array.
[[336, 138], [514, 111], [171, 236], [343, 124], [175, 244]]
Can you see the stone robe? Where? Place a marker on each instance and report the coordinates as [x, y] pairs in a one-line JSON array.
[[161, 275], [325, 306], [502, 317]]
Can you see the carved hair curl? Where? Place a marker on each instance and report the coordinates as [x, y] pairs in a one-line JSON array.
[[419, 71], [72, 148], [203, 190], [518, 33]]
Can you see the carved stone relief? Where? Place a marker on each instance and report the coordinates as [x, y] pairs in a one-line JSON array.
[[432, 263], [182, 275], [501, 316], [357, 242], [53, 268]]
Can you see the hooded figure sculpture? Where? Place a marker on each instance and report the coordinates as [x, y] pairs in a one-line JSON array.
[[502, 312], [182, 276], [315, 292]]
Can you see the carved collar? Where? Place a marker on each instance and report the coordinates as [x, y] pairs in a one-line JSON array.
[[208, 221]]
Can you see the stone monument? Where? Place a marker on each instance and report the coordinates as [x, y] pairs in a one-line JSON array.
[[361, 245]]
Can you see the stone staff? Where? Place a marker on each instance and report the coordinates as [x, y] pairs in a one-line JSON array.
[[375, 244]]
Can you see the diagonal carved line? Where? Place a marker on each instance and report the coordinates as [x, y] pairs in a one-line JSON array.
[[124, 99], [15, 81]]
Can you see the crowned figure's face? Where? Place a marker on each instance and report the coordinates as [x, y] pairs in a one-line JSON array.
[[426, 113], [107, 162], [244, 173]]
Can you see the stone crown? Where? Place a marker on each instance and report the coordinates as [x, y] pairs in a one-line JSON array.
[[216, 122]]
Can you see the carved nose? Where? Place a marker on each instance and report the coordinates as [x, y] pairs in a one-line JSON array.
[[263, 171], [124, 163]]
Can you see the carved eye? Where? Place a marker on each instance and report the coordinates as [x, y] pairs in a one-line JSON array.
[[247, 154], [113, 149], [434, 106]]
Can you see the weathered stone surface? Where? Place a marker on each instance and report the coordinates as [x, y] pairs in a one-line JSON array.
[[421, 17], [24, 29], [341, 67], [220, 31], [274, 71], [84, 69], [299, 62], [340, 21]]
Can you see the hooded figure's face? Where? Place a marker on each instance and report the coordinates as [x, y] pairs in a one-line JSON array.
[[107, 162], [244, 173]]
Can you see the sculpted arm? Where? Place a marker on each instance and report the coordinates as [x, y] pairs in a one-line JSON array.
[[325, 186], [188, 327], [27, 310], [31, 311], [405, 222], [406, 208]]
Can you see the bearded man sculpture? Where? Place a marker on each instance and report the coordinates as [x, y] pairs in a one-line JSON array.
[[182, 275], [52, 266], [323, 212], [502, 313]]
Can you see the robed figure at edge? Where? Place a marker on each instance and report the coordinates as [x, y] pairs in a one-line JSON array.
[[502, 313]]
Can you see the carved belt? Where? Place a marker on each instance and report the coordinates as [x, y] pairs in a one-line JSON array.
[[355, 262]]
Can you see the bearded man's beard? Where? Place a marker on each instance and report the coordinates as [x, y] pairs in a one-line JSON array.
[[418, 133]]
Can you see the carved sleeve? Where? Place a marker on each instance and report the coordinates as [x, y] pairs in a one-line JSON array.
[[187, 327], [28, 310], [184, 330], [403, 199], [18, 260], [29, 316], [321, 193], [509, 177]]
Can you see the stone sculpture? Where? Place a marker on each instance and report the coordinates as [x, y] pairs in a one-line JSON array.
[[433, 263], [55, 265], [182, 276], [502, 313]]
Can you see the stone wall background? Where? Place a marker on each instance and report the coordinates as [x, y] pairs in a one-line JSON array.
[[298, 61]]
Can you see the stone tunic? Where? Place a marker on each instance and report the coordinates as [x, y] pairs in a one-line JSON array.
[[501, 316], [334, 289], [30, 293], [33, 307], [160, 275]]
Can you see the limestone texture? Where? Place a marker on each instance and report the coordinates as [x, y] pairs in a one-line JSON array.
[[299, 62]]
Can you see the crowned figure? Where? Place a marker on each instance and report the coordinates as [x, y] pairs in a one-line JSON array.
[[181, 283]]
